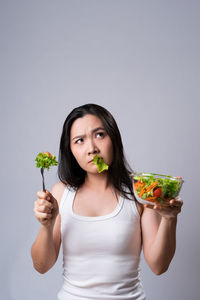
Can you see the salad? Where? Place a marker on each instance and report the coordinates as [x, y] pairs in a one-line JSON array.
[[156, 188], [45, 160], [101, 165]]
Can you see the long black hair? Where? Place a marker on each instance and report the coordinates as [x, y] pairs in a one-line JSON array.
[[69, 171]]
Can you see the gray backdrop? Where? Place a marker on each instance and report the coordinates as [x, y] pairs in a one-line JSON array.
[[139, 59]]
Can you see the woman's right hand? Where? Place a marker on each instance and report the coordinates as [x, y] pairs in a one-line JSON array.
[[46, 208]]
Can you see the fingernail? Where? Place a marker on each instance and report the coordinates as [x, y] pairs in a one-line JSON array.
[[48, 198]]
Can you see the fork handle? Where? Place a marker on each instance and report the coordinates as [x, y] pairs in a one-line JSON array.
[[43, 185]]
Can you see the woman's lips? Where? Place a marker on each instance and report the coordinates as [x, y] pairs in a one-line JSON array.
[[93, 159]]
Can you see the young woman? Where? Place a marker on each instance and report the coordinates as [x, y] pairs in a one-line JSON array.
[[95, 216]]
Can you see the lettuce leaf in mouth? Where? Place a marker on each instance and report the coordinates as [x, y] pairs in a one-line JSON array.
[[101, 165]]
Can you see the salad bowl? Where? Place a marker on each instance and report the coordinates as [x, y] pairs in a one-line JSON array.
[[154, 188]]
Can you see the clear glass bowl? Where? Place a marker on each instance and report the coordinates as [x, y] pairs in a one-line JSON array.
[[155, 188]]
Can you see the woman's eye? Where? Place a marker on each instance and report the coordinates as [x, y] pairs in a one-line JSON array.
[[77, 142], [100, 133]]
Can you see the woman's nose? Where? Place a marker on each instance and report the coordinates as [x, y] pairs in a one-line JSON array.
[[91, 147]]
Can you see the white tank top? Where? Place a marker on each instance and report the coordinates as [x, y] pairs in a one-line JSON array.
[[101, 254]]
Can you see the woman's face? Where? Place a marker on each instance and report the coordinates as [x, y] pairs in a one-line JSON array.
[[88, 137]]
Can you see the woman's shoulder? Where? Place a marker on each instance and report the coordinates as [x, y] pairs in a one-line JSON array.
[[140, 207], [58, 190]]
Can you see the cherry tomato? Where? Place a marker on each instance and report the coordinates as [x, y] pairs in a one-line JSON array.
[[49, 154], [157, 192]]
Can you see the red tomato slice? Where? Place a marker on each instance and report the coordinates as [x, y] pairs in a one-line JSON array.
[[157, 192]]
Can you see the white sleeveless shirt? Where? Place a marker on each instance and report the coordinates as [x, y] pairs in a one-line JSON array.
[[101, 254]]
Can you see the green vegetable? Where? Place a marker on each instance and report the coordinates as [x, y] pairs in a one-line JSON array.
[[45, 160], [101, 165], [170, 186]]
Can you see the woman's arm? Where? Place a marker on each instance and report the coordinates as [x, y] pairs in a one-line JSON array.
[[46, 247], [159, 235]]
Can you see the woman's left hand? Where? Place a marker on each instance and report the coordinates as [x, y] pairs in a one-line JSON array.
[[168, 211]]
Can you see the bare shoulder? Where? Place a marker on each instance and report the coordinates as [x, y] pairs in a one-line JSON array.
[[58, 190], [140, 208]]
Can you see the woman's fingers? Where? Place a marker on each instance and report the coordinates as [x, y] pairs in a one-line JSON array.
[[42, 195], [42, 216], [43, 204], [149, 205], [156, 205], [42, 207], [45, 208], [168, 209], [45, 195], [171, 209], [176, 202]]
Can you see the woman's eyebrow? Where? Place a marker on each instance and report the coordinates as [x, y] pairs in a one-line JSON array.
[[92, 131]]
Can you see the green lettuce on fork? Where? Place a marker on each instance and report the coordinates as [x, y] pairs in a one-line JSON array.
[[45, 160], [101, 165]]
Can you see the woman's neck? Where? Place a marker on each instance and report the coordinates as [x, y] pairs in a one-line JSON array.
[[97, 182]]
